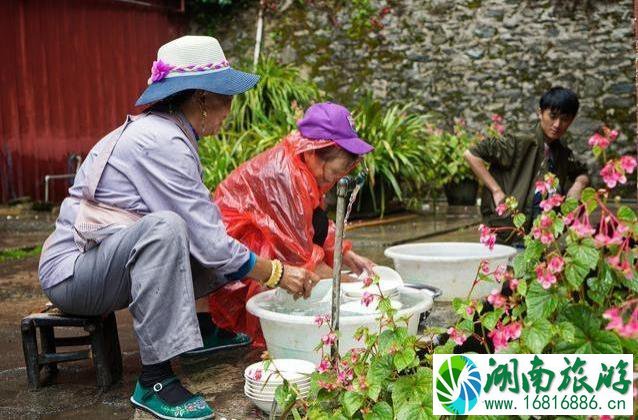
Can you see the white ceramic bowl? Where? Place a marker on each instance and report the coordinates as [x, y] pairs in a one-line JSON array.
[[449, 266], [294, 370], [389, 281], [270, 395]]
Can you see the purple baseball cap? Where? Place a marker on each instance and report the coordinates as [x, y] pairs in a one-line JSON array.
[[328, 121]]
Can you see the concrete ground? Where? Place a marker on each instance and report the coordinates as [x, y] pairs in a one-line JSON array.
[[73, 394]]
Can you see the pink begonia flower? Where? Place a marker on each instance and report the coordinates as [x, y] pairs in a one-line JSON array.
[[496, 299], [609, 226], [484, 267], [344, 376], [620, 265], [159, 70], [545, 221], [611, 175], [322, 319], [544, 276], [514, 330], [556, 264], [324, 366], [616, 323], [553, 201], [628, 163], [458, 337], [497, 118], [630, 330], [367, 298], [541, 187], [579, 223], [367, 281], [501, 209], [488, 237], [613, 134], [500, 129], [501, 334], [599, 140], [257, 374], [500, 273], [469, 310], [329, 339], [547, 237], [514, 284]]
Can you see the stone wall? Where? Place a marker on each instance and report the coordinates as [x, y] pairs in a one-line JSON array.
[[464, 58]]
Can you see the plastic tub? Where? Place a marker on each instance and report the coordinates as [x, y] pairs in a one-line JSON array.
[[449, 266], [295, 336]]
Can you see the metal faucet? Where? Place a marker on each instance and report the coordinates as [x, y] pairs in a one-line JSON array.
[[344, 188]]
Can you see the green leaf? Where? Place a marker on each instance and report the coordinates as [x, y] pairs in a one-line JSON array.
[[588, 197], [416, 388], [380, 411], [575, 272], [566, 331], [447, 348], [569, 205], [537, 335], [490, 319], [405, 358], [541, 303], [386, 340], [558, 227], [522, 287], [600, 287], [520, 265], [519, 220], [414, 411], [352, 402], [380, 371], [588, 336], [626, 214], [533, 251], [629, 346], [585, 253]]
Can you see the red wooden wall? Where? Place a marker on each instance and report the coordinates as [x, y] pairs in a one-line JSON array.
[[72, 71]]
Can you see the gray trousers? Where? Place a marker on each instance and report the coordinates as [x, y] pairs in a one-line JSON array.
[[146, 267]]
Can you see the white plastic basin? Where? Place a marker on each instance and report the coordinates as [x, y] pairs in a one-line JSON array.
[[295, 336], [450, 266]]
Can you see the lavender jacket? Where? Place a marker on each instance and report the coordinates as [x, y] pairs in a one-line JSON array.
[[153, 167]]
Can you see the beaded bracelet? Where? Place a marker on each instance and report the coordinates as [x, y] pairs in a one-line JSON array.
[[276, 274]]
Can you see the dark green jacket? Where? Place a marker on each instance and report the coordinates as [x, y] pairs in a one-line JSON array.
[[516, 163]]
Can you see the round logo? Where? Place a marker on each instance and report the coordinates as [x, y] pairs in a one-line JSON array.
[[458, 385]]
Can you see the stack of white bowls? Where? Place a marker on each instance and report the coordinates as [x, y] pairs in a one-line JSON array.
[[261, 383]]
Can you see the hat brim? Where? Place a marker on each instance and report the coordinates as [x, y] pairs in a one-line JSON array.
[[355, 145], [224, 82]]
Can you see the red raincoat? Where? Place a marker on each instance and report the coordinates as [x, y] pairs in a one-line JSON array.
[[267, 204]]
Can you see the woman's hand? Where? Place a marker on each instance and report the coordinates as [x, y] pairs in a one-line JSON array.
[[357, 263], [498, 196], [298, 281]]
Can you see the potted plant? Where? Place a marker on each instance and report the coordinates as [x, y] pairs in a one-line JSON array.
[[399, 162]]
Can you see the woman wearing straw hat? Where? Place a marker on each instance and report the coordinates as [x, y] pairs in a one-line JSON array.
[[138, 229]]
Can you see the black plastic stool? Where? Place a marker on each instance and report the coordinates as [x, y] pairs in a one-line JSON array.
[[102, 338]]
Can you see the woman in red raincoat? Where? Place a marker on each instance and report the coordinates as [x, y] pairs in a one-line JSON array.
[[273, 204]]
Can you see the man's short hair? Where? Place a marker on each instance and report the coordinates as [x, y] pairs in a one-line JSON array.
[[561, 100]]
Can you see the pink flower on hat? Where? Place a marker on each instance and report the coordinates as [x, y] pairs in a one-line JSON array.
[[159, 70]]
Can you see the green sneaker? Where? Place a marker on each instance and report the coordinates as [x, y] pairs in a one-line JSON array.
[[147, 399]]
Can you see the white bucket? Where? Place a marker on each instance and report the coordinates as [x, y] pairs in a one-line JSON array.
[[296, 336], [449, 266]]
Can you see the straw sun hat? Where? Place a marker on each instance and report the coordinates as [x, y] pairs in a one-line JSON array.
[[193, 62]]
